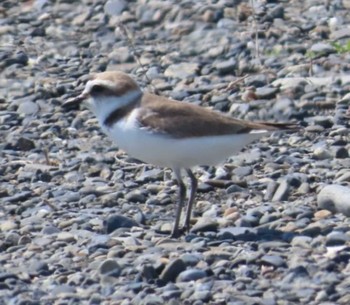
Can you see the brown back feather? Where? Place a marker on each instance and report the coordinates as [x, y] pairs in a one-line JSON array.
[[182, 120]]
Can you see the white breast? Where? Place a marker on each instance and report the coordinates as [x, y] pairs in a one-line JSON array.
[[175, 153]]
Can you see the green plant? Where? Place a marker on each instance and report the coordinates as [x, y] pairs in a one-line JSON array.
[[341, 48]]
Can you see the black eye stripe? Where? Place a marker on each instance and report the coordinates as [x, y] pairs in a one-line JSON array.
[[97, 89]]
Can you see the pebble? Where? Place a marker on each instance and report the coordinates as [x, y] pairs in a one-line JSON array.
[[226, 67], [28, 108], [337, 238], [110, 268], [335, 198], [182, 70], [204, 224], [273, 260], [115, 7], [72, 203], [66, 237], [136, 196], [191, 275], [8, 225], [172, 270], [282, 191], [115, 222], [321, 153]]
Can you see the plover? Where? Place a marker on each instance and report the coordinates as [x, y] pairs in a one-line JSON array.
[[168, 133]]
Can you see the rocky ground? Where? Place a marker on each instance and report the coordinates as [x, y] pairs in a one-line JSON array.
[[83, 223]]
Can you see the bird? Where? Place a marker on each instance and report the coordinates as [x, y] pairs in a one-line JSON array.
[[168, 133]]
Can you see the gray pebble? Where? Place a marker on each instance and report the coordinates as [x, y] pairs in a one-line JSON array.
[[115, 7], [266, 93], [226, 67], [337, 238], [136, 196], [273, 260], [110, 267], [205, 224], [335, 198], [191, 275], [172, 270], [258, 80], [322, 48], [28, 108], [243, 171], [115, 222], [182, 70], [66, 237], [282, 192]]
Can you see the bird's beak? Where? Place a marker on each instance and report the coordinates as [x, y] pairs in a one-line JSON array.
[[74, 102]]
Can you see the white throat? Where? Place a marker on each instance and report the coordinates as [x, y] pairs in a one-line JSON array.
[[104, 106]]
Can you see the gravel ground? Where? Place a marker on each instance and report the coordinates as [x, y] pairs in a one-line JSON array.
[[83, 223]]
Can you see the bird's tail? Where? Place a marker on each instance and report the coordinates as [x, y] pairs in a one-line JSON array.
[[281, 126]]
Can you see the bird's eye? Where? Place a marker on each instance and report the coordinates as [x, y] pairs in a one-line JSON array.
[[97, 89]]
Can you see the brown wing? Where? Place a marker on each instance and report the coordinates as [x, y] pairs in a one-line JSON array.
[[182, 120]]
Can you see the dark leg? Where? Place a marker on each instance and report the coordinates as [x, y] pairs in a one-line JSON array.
[[180, 203], [194, 184]]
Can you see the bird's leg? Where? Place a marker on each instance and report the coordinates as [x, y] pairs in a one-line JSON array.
[[180, 203], [194, 184]]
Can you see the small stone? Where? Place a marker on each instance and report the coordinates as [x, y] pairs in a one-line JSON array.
[[314, 128], [66, 237], [115, 7], [322, 48], [243, 171], [24, 240], [324, 121], [226, 67], [229, 211], [235, 189], [256, 81], [301, 241], [190, 259], [18, 58], [110, 268], [81, 18], [172, 270], [119, 221], [24, 144], [204, 224], [136, 196], [8, 225], [320, 153], [149, 272], [38, 268], [250, 220], [201, 296], [63, 290], [182, 70], [335, 198], [266, 93], [28, 107], [322, 214], [270, 190], [273, 260], [282, 192], [50, 230], [340, 34], [277, 12], [12, 238], [191, 275], [337, 238], [344, 177], [111, 199], [342, 153]]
